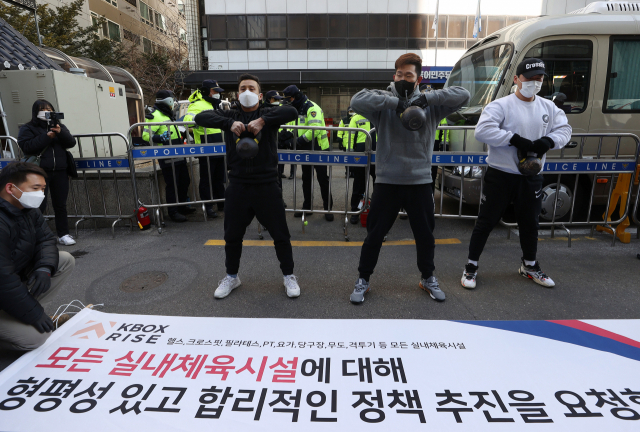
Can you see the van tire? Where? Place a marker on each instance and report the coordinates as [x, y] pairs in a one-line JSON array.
[[581, 196]]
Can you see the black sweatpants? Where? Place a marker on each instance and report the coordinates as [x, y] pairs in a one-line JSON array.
[[243, 201], [58, 186], [182, 182], [386, 202], [214, 170], [501, 188], [360, 184]]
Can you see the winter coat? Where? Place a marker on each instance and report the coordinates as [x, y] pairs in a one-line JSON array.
[[26, 243]]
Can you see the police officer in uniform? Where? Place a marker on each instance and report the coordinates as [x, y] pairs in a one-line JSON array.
[[313, 116], [358, 144], [162, 111], [212, 176]]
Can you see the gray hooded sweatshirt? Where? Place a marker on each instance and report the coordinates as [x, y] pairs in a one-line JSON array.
[[403, 157]]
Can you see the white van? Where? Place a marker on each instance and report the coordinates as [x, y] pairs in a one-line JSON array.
[[592, 57]]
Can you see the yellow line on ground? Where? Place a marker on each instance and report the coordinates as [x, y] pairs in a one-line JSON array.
[[330, 243]]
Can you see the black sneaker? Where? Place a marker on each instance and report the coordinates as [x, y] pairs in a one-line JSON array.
[[178, 217], [298, 214], [186, 210], [468, 280], [211, 214], [354, 219], [328, 217]]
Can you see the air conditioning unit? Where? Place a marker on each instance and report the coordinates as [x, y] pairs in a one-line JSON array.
[[614, 7]]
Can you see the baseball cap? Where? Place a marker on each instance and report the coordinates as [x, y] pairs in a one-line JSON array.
[[530, 67], [211, 84], [291, 91], [272, 94], [163, 94]]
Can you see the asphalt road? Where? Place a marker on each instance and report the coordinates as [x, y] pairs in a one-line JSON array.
[[593, 279]]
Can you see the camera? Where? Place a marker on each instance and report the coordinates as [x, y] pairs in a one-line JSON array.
[[53, 117]]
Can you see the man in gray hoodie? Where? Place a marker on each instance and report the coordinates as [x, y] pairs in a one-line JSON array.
[[403, 167]]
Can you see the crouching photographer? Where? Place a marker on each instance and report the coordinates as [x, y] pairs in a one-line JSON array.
[[45, 141]]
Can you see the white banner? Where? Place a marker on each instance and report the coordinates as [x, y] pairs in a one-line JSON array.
[[109, 372]]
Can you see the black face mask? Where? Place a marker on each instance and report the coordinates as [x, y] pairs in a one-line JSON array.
[[404, 88]]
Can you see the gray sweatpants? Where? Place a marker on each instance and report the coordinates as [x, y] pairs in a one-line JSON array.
[[16, 335]]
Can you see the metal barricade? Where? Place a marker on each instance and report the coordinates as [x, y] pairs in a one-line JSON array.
[[328, 158], [171, 152], [95, 159], [8, 140]]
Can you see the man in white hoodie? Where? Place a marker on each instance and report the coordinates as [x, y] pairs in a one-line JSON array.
[[526, 124]]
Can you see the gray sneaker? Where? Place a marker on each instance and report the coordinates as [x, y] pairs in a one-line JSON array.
[[362, 287], [431, 286]]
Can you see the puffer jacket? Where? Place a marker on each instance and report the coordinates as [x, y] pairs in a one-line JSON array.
[[33, 139], [26, 242]]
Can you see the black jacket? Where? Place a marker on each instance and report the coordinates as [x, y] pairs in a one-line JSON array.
[[26, 243], [264, 167], [33, 139]]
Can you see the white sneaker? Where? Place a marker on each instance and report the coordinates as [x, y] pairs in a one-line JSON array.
[[66, 240], [469, 276], [291, 286], [536, 274], [226, 285]]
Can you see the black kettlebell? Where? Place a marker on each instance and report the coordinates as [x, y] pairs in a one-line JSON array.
[[413, 118], [247, 145], [529, 164]]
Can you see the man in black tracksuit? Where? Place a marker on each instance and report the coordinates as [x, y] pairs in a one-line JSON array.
[[253, 190]]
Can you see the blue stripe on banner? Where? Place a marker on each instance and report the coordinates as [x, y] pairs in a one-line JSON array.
[[562, 333], [590, 166], [102, 163], [179, 150], [320, 158], [5, 162]]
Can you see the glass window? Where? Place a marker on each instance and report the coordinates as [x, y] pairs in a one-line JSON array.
[[297, 44], [442, 27], [496, 23], [146, 44], [398, 26], [568, 65], [471, 19], [418, 26], [623, 87], [377, 26], [237, 44], [457, 27], [357, 25], [515, 19], [237, 27], [481, 73], [256, 26], [417, 43], [338, 26], [203, 30], [318, 43], [297, 26], [397, 43], [377, 43], [318, 26], [337, 43], [357, 44], [114, 31], [441, 43], [277, 26], [277, 44], [456, 44], [217, 27], [217, 45], [259, 44]]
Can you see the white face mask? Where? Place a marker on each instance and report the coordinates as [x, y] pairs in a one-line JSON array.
[[248, 99], [530, 88], [216, 96], [42, 115], [30, 199]]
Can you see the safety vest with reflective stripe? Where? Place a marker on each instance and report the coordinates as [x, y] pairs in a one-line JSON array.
[[197, 105], [343, 135], [441, 134], [159, 117], [314, 117], [358, 121]]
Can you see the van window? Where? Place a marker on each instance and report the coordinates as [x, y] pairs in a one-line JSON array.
[[568, 66], [623, 87]]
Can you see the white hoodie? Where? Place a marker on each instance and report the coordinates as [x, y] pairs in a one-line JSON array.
[[504, 117]]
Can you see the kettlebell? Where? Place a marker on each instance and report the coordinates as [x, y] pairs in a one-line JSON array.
[[247, 145], [529, 164], [413, 118]]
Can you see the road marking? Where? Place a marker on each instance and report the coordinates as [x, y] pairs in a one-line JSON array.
[[330, 243]]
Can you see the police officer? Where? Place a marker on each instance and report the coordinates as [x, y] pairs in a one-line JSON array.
[[442, 136], [359, 173], [343, 136], [212, 176], [313, 116], [174, 171]]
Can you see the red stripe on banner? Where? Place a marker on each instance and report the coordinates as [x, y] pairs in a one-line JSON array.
[[589, 328]]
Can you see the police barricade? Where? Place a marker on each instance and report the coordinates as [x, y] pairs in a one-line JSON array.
[[8, 150], [330, 159], [97, 161], [172, 153]]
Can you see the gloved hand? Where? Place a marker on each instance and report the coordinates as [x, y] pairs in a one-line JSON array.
[[542, 145], [403, 104], [421, 101], [301, 143], [522, 144], [44, 324], [41, 281], [166, 137]]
